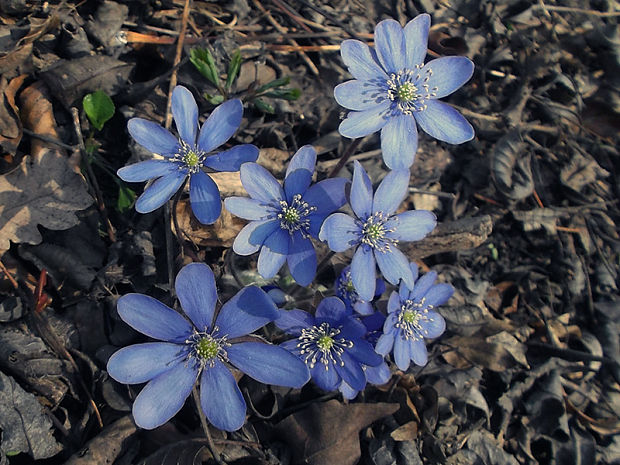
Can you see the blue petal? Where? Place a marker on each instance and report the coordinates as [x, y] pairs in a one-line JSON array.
[[327, 196], [347, 391], [363, 274], [443, 122], [273, 253], [351, 372], [416, 39], [145, 170], [394, 301], [185, 114], [360, 62], [418, 352], [296, 183], [394, 266], [331, 309], [195, 286], [269, 364], [301, 259], [304, 159], [447, 74], [260, 183], [352, 328], [363, 308], [385, 344], [158, 193], [293, 321], [204, 197], [374, 322], [390, 45], [439, 294], [399, 142], [422, 286], [252, 236], [340, 231], [248, 209], [291, 346], [378, 375], [164, 396], [248, 310], [402, 355], [153, 137], [361, 123], [327, 379], [152, 318], [432, 323], [414, 269], [391, 192], [363, 352], [361, 192], [140, 363], [232, 159], [412, 225], [220, 125], [220, 398], [359, 95]]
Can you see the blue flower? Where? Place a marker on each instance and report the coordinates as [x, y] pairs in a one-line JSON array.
[[284, 219], [187, 156], [331, 344], [393, 89], [376, 230], [200, 348], [411, 319], [346, 292]]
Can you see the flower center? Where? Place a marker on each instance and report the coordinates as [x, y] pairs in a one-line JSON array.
[[410, 316], [346, 290], [189, 158], [321, 344], [207, 348], [409, 90], [293, 217], [375, 232]]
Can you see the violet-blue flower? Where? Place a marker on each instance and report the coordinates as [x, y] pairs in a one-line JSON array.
[[186, 157], [330, 343], [376, 230], [345, 290], [412, 318], [284, 219], [202, 347], [393, 89]]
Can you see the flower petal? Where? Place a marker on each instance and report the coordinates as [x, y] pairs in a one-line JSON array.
[[361, 123], [301, 259], [363, 273], [231, 160], [158, 193], [364, 353], [204, 197], [447, 74], [145, 170], [439, 294], [304, 159], [399, 142], [340, 232], [251, 308], [140, 363], [252, 236], [443, 122], [361, 192], [330, 309], [220, 398], [360, 62], [347, 391], [327, 379], [391, 192], [326, 196], [378, 375], [195, 286], [416, 39], [394, 301], [153, 137], [418, 352], [220, 125], [293, 321], [269, 364], [390, 45], [260, 183], [273, 253], [394, 266], [185, 114], [402, 356], [248, 209], [411, 225], [385, 344], [359, 95], [351, 372], [422, 286], [433, 325], [152, 318], [164, 396]]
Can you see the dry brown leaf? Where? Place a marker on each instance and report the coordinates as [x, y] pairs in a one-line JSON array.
[[38, 115], [406, 432], [10, 124]]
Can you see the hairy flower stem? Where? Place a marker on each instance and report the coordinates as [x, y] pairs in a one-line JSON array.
[[205, 428], [345, 158]]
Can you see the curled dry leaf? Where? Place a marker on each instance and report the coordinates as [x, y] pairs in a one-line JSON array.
[[10, 124], [511, 168]]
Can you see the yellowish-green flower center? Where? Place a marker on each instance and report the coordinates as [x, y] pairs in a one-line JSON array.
[[407, 92], [207, 348], [191, 158], [290, 215], [349, 286], [375, 231], [411, 317], [325, 343]]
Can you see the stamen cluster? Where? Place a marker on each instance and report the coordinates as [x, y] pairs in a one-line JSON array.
[[375, 233], [208, 347], [319, 343], [293, 216]]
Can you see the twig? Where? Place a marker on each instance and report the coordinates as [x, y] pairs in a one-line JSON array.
[[205, 428], [49, 139], [8, 275], [330, 18], [568, 9], [345, 157]]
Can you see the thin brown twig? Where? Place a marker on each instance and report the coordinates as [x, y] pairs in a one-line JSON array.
[[8, 275], [205, 428], [345, 157]]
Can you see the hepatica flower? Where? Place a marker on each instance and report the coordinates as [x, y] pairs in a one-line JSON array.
[[412, 318], [393, 89], [187, 156], [284, 219], [330, 343], [376, 230], [201, 347], [345, 290]]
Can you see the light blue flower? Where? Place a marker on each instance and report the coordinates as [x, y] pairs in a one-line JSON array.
[[201, 348], [186, 157], [393, 89], [345, 291], [376, 230], [412, 318]]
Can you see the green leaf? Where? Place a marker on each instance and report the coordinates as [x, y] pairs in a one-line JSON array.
[[202, 59], [213, 99], [233, 68], [99, 108], [286, 94], [126, 198], [283, 81], [263, 106]]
